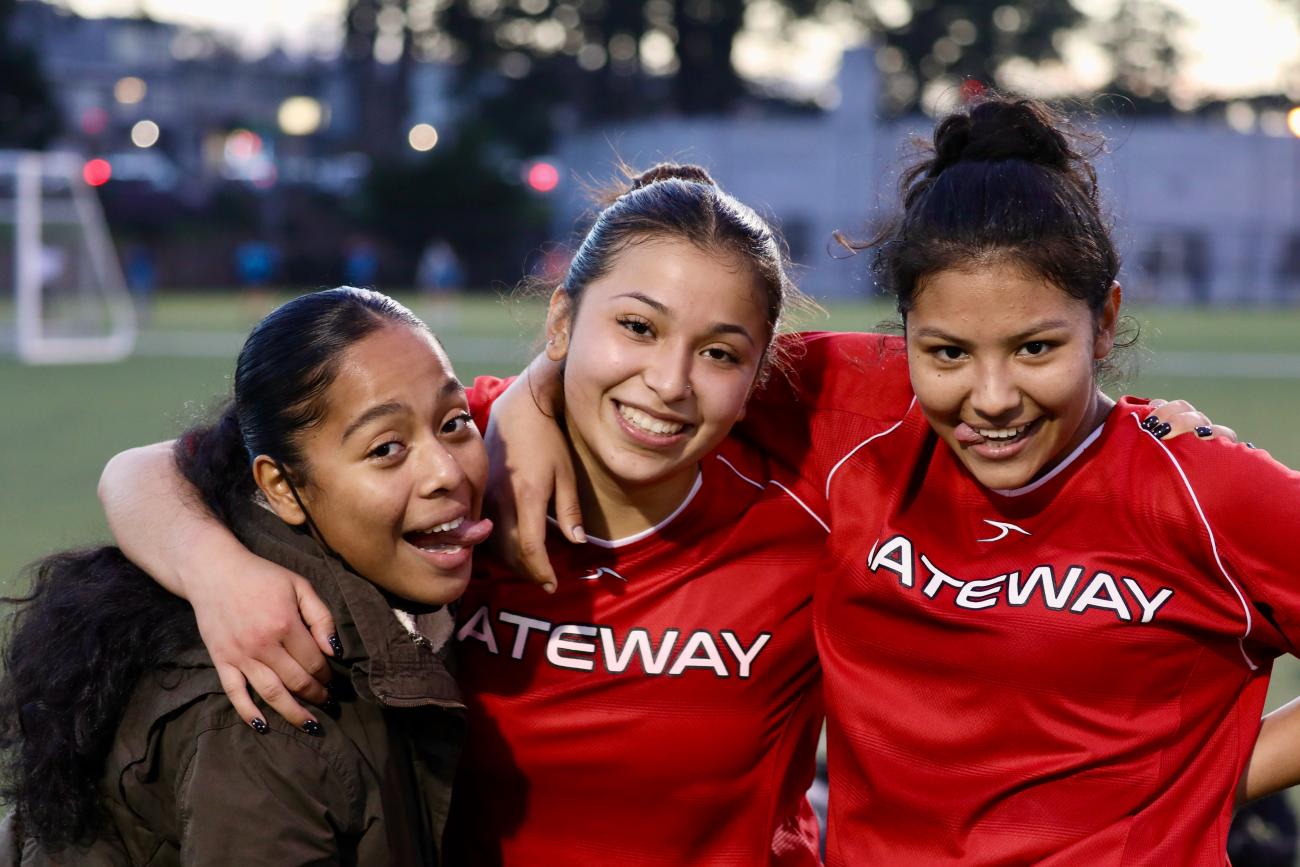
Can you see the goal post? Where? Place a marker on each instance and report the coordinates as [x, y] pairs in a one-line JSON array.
[[70, 302]]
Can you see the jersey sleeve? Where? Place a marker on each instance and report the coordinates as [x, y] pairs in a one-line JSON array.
[[827, 394], [1251, 510], [482, 394]]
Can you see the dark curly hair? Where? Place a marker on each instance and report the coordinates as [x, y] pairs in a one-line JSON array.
[[94, 623]]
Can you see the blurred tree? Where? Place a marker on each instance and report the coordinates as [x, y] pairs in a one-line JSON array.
[[458, 193], [29, 117], [377, 59]]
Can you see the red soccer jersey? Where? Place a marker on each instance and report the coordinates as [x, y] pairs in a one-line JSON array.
[[663, 706], [1071, 673]]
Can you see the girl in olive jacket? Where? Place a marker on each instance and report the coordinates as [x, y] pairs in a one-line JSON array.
[[348, 456]]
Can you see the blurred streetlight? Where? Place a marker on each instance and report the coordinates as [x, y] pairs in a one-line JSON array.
[[422, 137], [144, 134], [130, 90], [300, 115], [1293, 121]]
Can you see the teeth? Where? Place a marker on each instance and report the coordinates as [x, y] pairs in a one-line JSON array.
[[442, 528], [1004, 433], [442, 549], [649, 423]]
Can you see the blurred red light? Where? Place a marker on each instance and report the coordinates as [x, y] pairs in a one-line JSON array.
[[96, 172], [543, 177]]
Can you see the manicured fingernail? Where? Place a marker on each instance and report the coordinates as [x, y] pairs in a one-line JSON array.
[[1150, 422], [313, 728], [549, 587], [579, 534], [1162, 430], [335, 644], [1251, 446], [1203, 431], [259, 725]]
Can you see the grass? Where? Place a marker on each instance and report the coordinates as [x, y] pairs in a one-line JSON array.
[[61, 424]]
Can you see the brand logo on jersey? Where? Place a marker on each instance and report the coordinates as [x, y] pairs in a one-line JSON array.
[[602, 571], [1004, 529], [1072, 589], [586, 646]]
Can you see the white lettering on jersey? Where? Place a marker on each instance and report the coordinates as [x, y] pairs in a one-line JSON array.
[[478, 626], [638, 641], [691, 657], [587, 647], [1102, 583], [1101, 591], [1149, 606], [559, 642], [901, 564], [743, 656], [525, 624]]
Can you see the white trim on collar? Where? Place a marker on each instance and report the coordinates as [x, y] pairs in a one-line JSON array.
[[1056, 470], [648, 531]]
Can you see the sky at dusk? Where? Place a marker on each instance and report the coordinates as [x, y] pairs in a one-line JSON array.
[[1233, 47]]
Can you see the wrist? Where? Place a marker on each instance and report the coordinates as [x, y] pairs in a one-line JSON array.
[[206, 549]]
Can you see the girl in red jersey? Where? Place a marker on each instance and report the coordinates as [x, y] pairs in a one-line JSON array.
[[674, 663], [1047, 631]]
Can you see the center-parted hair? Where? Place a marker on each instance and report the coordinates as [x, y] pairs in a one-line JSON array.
[[682, 202], [1004, 181]]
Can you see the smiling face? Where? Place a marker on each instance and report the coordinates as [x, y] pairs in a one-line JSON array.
[[395, 468], [659, 361], [1003, 365]]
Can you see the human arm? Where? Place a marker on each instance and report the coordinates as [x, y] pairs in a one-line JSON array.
[[1274, 764], [248, 609], [529, 466]]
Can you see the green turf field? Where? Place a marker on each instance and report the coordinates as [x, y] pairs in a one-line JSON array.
[[60, 424]]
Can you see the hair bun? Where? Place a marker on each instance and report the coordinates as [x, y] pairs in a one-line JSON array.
[[1002, 129], [672, 171]]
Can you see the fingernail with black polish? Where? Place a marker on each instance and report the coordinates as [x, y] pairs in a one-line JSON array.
[[335, 644], [1162, 430], [313, 728], [1150, 422], [1251, 446], [259, 725], [331, 707], [1204, 431]]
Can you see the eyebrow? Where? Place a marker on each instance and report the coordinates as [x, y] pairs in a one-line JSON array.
[[1036, 328], [449, 388], [715, 328]]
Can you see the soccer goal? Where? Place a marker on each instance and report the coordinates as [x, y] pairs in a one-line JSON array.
[[70, 303]]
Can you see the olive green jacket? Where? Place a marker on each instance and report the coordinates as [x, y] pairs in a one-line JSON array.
[[187, 782]]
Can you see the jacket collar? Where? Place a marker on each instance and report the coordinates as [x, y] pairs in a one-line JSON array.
[[386, 662]]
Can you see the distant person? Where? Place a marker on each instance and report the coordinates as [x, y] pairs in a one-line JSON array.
[[361, 263], [256, 264], [348, 454], [440, 278], [141, 279]]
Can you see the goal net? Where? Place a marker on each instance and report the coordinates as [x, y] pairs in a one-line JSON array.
[[69, 302]]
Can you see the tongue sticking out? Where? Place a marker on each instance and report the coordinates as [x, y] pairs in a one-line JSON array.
[[467, 534], [966, 435]]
